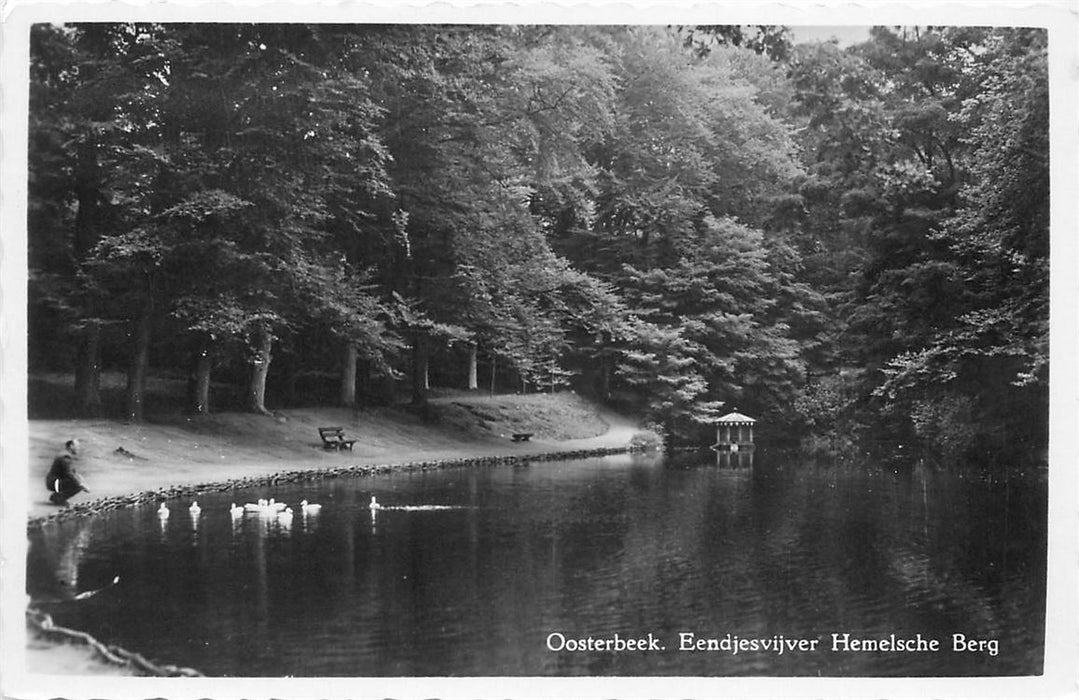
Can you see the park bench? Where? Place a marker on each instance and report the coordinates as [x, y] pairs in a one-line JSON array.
[[333, 438], [522, 437]]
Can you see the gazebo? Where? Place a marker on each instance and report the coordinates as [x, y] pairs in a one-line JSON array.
[[734, 432]]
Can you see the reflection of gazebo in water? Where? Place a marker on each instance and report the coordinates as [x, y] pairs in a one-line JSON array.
[[734, 433]]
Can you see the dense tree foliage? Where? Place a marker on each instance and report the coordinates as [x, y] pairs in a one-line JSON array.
[[978, 377], [850, 243]]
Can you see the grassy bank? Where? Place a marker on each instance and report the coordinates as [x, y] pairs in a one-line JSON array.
[[171, 449]]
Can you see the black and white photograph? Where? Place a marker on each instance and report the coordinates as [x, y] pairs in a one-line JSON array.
[[539, 351]]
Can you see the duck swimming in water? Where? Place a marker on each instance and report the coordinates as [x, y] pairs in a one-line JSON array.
[[163, 511], [235, 510], [309, 508], [194, 509], [375, 504]]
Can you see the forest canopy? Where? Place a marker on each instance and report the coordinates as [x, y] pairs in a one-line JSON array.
[[850, 243]]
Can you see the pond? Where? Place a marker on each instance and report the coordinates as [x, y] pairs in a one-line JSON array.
[[782, 569]]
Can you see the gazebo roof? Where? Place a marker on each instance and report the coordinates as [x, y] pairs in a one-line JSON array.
[[735, 417]]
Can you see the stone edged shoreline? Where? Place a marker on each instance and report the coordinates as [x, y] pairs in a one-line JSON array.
[[103, 505]]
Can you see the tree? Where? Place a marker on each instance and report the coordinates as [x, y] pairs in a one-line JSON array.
[[475, 129], [84, 141], [905, 168], [661, 365], [690, 152], [721, 297], [238, 153], [985, 371], [770, 40], [290, 147], [673, 225]]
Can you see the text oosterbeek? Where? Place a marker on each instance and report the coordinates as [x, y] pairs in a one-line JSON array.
[[778, 644], [557, 641]]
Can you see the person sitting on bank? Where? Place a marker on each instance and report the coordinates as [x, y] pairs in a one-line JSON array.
[[63, 481]]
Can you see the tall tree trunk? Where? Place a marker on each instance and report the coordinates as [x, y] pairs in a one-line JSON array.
[[388, 392], [87, 185], [88, 222], [260, 368], [88, 372], [136, 372], [494, 371], [419, 372], [202, 366], [348, 375], [473, 382], [604, 378], [363, 377]]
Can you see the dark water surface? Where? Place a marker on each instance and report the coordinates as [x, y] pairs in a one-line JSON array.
[[626, 545]]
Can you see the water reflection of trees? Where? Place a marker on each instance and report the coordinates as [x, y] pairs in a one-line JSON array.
[[54, 559], [797, 553]]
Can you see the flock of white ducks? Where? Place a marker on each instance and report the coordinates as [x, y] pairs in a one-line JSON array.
[[262, 507]]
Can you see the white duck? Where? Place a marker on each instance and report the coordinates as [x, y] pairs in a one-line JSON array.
[[163, 511], [375, 504], [255, 507], [235, 510], [275, 507], [195, 509], [309, 508]]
